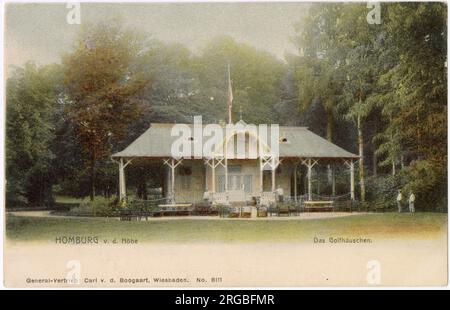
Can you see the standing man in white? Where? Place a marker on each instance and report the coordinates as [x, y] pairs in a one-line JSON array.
[[280, 194], [399, 201], [411, 200]]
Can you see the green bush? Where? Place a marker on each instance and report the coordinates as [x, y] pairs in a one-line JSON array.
[[138, 205], [221, 209], [381, 192], [426, 180], [104, 207], [83, 209], [100, 206]]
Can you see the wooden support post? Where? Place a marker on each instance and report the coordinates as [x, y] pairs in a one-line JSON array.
[[309, 179], [261, 171], [309, 163], [273, 174], [225, 167], [172, 176], [206, 178], [122, 181], [352, 180], [295, 182], [172, 163], [168, 189], [213, 176], [122, 188]]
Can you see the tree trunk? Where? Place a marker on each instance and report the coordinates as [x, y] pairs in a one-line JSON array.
[[330, 126], [361, 159], [375, 157], [375, 164], [92, 177], [393, 160]]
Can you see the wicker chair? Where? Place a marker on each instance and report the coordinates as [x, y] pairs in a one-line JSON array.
[[261, 211], [246, 212]]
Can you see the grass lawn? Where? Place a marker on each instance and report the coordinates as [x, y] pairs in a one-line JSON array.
[[386, 226]]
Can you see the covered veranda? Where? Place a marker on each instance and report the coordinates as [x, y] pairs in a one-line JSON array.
[[299, 147]]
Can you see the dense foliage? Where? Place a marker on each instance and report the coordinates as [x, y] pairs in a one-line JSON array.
[[379, 90], [389, 80], [32, 102]]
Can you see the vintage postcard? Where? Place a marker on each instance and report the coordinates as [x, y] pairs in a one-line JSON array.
[[232, 144]]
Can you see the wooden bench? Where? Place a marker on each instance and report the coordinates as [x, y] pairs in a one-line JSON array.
[[175, 209], [283, 210], [321, 205], [129, 215], [345, 205]]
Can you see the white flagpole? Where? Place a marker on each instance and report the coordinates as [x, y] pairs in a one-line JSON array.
[[230, 97]]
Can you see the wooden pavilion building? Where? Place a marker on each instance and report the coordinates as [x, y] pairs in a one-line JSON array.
[[240, 178]]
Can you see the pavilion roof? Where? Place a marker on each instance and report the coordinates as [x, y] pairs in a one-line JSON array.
[[300, 142]]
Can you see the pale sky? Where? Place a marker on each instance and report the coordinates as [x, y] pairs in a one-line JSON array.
[[40, 32]]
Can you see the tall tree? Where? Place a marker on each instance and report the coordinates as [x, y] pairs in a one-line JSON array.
[[31, 103], [394, 72], [173, 92], [319, 72], [414, 94], [103, 84], [256, 78], [321, 57]]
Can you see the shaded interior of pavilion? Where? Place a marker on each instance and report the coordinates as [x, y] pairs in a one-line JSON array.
[[310, 179]]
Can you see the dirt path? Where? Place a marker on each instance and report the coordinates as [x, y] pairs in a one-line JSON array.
[[302, 216], [44, 214]]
